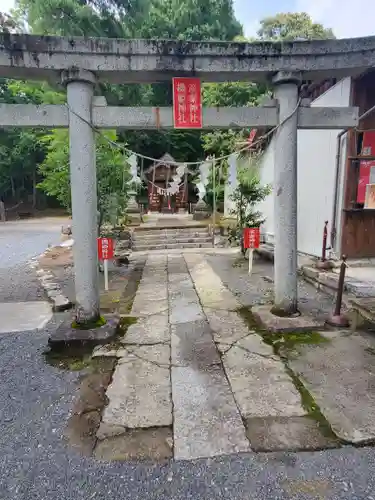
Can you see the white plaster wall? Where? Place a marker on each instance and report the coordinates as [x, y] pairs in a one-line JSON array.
[[266, 206], [316, 177]]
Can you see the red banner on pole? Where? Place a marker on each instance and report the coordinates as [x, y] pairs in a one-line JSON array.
[[251, 237], [187, 103], [105, 248]]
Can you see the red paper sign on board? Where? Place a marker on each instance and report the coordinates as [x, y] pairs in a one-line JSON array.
[[251, 237], [366, 167], [105, 248], [187, 103]]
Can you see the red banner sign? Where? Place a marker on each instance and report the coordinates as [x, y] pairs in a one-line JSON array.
[[105, 248], [187, 103], [251, 237], [252, 135], [366, 168]]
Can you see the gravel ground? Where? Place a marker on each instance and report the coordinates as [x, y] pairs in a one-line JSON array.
[[255, 289], [36, 463]]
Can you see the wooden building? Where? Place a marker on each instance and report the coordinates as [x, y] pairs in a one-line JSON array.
[[159, 175]]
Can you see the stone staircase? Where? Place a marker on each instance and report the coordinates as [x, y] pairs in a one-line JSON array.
[[160, 238]]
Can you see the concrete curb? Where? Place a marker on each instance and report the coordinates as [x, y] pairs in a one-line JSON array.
[[52, 289]]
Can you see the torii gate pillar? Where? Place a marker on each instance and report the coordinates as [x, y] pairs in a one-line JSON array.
[[80, 91], [285, 188]]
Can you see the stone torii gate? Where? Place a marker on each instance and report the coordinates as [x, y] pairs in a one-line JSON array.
[[80, 63]]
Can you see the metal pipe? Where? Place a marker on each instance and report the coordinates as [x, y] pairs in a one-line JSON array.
[[325, 235], [337, 319], [340, 287], [214, 200], [337, 172]]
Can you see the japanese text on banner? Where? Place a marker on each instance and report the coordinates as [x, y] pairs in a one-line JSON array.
[[187, 106]]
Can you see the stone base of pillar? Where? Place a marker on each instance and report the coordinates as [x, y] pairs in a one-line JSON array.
[[269, 321], [201, 211], [66, 333]]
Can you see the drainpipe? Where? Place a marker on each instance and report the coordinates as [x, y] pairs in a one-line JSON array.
[[337, 172]]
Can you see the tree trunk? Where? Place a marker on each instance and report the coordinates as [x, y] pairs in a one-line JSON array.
[[34, 189], [13, 188]]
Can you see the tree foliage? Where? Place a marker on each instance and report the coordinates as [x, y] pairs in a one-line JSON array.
[[247, 195], [292, 26], [111, 169], [21, 151]]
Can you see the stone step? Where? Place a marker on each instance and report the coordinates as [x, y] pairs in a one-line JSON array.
[[364, 311], [154, 236], [172, 239], [169, 227], [167, 246], [328, 282], [167, 240], [198, 230]]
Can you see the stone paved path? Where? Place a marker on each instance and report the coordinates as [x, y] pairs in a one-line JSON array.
[[192, 365]]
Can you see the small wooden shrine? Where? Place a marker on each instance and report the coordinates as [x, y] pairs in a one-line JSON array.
[[159, 177]]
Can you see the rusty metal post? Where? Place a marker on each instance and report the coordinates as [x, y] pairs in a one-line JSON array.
[[325, 235], [337, 319], [324, 264]]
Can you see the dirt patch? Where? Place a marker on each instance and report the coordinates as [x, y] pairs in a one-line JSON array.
[[56, 257], [91, 399], [81, 431]]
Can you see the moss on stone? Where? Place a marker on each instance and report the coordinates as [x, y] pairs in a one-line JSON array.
[[283, 344], [70, 358], [89, 325]]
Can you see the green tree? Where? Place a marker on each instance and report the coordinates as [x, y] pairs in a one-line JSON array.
[[177, 19], [292, 26], [112, 173], [192, 20], [248, 194]]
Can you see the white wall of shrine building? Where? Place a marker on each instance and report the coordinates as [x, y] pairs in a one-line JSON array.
[[316, 177]]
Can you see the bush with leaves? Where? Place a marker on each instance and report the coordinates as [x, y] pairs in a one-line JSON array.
[[112, 174], [247, 195]]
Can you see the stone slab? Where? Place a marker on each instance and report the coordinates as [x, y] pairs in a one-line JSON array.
[[287, 434], [187, 295], [341, 378], [360, 289], [24, 316], [178, 277], [106, 431], [152, 291], [185, 312], [142, 306], [176, 266], [259, 382], [365, 306], [140, 444], [150, 330], [192, 345], [206, 419], [140, 392], [212, 293], [180, 287], [274, 323], [311, 272], [227, 326], [61, 303]]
